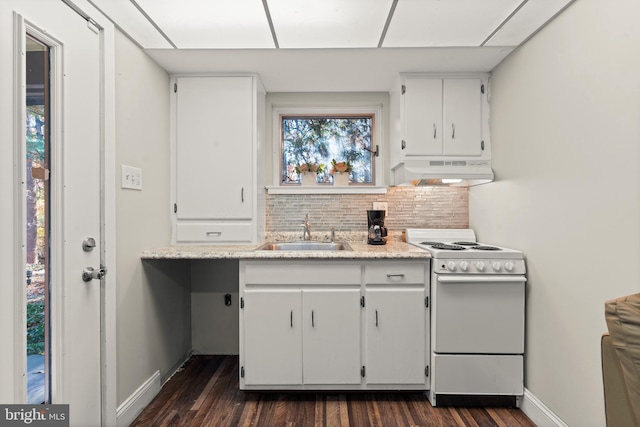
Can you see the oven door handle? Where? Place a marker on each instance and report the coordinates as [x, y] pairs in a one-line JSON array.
[[480, 279]]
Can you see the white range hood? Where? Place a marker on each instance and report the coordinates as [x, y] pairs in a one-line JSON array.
[[442, 171]]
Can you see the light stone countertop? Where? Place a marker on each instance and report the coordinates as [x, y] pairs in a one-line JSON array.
[[361, 250]]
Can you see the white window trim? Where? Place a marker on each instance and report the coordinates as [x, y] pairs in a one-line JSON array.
[[377, 187]]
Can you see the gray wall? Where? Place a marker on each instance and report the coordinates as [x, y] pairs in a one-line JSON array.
[[153, 298], [565, 112]]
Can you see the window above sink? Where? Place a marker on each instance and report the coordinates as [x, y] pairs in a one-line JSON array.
[[343, 143]]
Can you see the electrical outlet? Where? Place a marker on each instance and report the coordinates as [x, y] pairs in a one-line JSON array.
[[380, 206], [131, 177]]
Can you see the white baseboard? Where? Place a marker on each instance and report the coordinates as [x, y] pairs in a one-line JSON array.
[[133, 406], [539, 413]]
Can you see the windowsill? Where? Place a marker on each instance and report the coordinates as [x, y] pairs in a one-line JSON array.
[[326, 189]]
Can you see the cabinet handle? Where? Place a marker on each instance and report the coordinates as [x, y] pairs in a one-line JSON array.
[[391, 276], [242, 194], [292, 318], [313, 323], [376, 318], [435, 132], [453, 130], [214, 233]]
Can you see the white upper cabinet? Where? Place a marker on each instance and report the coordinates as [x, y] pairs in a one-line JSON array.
[[216, 126], [442, 117], [214, 148]]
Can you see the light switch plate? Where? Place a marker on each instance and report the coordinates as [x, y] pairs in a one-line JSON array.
[[380, 206], [131, 178]]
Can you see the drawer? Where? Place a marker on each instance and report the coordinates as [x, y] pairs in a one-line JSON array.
[[394, 273], [212, 232], [301, 274], [478, 374]]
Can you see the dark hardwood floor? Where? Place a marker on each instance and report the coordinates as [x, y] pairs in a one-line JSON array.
[[205, 393]]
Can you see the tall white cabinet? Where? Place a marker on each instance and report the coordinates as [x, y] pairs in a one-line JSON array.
[[217, 141]]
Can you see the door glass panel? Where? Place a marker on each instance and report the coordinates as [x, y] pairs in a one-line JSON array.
[[37, 213]]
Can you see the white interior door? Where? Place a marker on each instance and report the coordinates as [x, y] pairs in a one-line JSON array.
[[76, 139]]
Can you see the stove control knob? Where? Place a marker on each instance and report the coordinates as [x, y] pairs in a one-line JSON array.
[[464, 266], [480, 266], [451, 266], [496, 266], [508, 266]]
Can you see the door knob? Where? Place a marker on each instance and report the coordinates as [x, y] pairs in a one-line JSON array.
[[90, 273]]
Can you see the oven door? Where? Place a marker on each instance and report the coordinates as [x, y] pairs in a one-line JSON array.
[[478, 314]]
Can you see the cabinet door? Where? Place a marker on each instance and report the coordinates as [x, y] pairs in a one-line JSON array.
[[272, 337], [396, 336], [423, 117], [462, 117], [331, 324], [214, 148]]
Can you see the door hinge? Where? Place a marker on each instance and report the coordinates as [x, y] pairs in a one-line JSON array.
[[175, 88], [242, 372], [426, 371], [426, 302], [241, 302], [175, 208], [482, 88], [404, 144], [403, 89], [482, 145], [361, 301], [362, 370]]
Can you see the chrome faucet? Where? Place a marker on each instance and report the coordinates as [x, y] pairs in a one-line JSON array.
[[306, 233]]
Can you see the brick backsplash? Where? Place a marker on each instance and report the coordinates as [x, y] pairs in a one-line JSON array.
[[408, 207]]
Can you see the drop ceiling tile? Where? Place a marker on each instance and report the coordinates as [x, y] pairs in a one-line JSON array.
[[531, 17], [329, 23], [132, 22], [426, 23], [224, 24]]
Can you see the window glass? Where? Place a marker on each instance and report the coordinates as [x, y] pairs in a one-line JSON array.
[[327, 144]]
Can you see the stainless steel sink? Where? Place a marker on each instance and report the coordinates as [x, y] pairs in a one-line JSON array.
[[305, 246]]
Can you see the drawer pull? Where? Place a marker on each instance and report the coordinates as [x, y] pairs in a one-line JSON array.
[[313, 323], [391, 276], [376, 318], [214, 233], [292, 318]]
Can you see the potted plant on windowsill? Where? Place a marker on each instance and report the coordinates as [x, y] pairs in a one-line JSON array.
[[309, 172], [340, 172]]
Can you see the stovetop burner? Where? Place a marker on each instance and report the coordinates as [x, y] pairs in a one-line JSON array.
[[486, 248], [466, 243], [448, 247], [431, 243]]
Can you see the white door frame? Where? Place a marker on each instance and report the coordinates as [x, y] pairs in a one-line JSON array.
[[108, 291]]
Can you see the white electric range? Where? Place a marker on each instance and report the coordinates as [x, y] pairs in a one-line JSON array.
[[477, 315]]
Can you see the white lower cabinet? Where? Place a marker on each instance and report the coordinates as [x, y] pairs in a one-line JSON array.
[[294, 337], [396, 336], [331, 336], [396, 323], [272, 337], [319, 325]]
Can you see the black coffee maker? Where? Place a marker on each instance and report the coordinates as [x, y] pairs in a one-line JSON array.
[[377, 231]]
